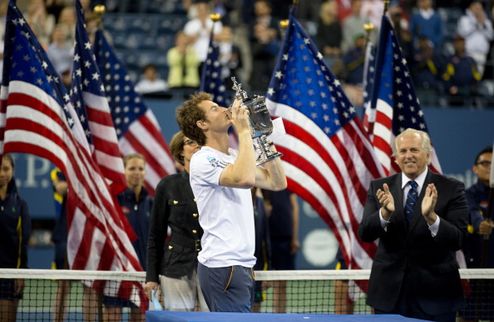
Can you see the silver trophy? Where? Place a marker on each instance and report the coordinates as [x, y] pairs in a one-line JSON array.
[[260, 122]]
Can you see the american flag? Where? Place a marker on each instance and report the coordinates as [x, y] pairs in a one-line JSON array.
[[41, 120], [328, 159], [136, 125], [393, 98], [88, 97], [368, 84], [212, 80]]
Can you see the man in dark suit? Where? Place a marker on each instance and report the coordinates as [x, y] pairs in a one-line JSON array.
[[420, 219]]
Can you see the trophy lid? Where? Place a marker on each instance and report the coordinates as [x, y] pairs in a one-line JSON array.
[[239, 92]]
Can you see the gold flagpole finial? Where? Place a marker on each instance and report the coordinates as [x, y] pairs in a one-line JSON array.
[[99, 9], [284, 24], [215, 17], [369, 27], [97, 14]]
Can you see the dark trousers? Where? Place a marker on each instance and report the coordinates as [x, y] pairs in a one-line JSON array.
[[227, 289], [410, 306]]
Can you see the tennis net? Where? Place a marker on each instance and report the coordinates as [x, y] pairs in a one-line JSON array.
[[65, 295]]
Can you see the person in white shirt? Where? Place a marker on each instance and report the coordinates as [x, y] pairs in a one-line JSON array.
[[221, 179], [477, 30], [199, 29], [151, 83]]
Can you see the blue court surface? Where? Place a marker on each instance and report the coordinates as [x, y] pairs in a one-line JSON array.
[[166, 316]]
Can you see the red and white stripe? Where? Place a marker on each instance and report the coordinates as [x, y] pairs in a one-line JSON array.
[[36, 124], [105, 147], [144, 136], [4, 91], [330, 173], [383, 139]]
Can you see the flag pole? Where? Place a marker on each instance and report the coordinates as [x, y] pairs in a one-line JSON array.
[[368, 28], [294, 7], [283, 26], [386, 6], [99, 11], [215, 17]]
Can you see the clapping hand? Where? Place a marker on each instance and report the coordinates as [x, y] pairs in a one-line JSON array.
[[386, 201], [429, 204]]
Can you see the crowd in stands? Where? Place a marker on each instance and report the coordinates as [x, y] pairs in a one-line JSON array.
[[448, 48]]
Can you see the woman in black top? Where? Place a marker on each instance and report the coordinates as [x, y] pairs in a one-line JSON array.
[[176, 259], [15, 228]]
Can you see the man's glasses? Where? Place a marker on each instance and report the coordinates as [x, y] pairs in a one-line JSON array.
[[484, 163]]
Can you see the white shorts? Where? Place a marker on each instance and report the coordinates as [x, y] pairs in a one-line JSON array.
[[182, 294]]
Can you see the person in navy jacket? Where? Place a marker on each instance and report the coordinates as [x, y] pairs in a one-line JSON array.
[[136, 204], [173, 264], [15, 228]]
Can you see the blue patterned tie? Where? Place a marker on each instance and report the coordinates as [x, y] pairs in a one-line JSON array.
[[411, 200]]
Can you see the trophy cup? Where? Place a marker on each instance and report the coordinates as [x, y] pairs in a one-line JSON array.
[[260, 122]]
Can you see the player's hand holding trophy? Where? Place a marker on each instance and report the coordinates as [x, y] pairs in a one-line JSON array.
[[260, 122]]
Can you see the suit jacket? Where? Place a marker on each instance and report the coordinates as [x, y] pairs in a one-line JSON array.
[[408, 258], [174, 206]]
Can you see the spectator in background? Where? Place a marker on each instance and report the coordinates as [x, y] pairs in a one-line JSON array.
[[199, 29], [427, 69], [426, 22], [283, 213], [59, 238], [479, 244], [353, 25], [264, 44], [151, 83], [60, 51], [40, 21], [476, 28], [307, 14], [329, 33], [402, 32], [174, 264], [481, 222], [54, 7], [230, 56], [461, 74], [15, 228], [67, 20], [353, 61], [136, 204], [372, 10], [183, 63]]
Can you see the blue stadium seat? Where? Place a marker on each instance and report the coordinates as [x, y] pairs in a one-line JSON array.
[[140, 39], [450, 17]]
